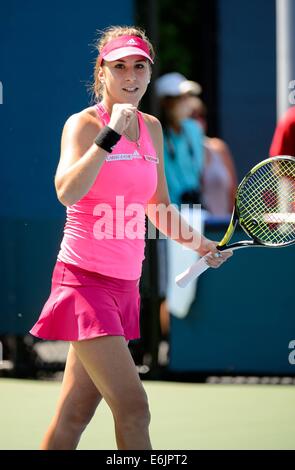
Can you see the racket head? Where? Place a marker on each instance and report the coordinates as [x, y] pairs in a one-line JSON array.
[[265, 202]]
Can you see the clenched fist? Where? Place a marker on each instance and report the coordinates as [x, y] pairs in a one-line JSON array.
[[121, 117]]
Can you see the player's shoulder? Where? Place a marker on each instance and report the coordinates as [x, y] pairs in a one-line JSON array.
[[152, 121], [87, 116], [83, 122]]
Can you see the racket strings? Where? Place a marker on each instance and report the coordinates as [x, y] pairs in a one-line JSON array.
[[266, 202], [278, 201]]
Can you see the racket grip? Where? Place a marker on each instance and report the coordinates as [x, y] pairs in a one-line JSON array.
[[191, 273]]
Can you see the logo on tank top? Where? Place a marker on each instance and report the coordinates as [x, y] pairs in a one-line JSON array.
[[131, 156]]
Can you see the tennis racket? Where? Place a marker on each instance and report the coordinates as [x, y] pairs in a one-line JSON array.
[[264, 208]]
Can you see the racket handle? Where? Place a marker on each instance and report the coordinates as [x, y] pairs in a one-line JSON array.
[[191, 273]]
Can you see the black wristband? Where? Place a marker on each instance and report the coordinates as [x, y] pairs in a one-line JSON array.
[[107, 138]]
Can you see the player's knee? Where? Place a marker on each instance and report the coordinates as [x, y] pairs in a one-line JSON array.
[[134, 411], [78, 417]]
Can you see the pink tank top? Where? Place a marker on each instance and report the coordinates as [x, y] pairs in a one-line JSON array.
[[105, 230]]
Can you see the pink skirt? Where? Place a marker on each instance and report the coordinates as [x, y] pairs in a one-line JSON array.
[[84, 305]]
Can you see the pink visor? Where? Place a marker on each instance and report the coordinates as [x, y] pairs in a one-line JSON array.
[[124, 46]]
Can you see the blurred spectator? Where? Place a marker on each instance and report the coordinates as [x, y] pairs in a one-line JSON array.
[[183, 156], [183, 140], [219, 180], [283, 142]]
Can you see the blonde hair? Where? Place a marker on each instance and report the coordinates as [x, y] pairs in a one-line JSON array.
[[107, 35]]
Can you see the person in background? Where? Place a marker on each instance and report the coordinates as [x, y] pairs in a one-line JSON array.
[[183, 158], [283, 142], [219, 180], [183, 140]]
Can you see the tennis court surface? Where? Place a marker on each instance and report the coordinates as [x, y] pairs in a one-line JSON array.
[[184, 416]]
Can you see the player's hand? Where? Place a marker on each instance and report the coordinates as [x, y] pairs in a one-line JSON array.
[[121, 117], [214, 257]]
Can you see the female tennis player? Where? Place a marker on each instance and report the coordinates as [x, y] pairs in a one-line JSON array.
[[110, 175]]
